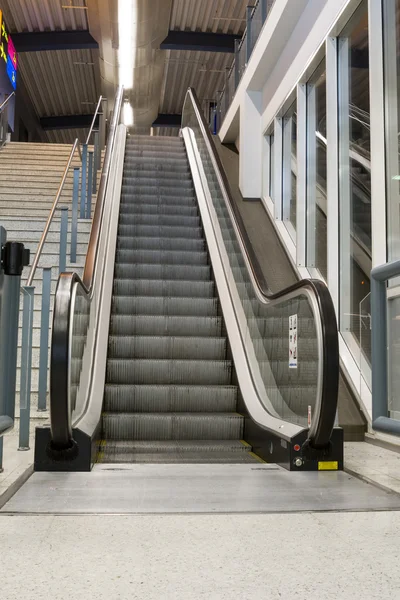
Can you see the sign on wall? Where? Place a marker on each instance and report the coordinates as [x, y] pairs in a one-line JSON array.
[[8, 54]]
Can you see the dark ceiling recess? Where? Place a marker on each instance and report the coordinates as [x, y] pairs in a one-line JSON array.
[[66, 122], [168, 121], [53, 40], [200, 41]]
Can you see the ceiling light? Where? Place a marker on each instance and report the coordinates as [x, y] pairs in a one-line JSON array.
[[127, 30], [128, 114]]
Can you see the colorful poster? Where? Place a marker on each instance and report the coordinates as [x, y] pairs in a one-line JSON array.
[[12, 53], [12, 73], [8, 54], [293, 357]]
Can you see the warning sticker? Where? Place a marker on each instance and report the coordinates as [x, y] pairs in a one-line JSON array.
[[328, 465], [293, 342]]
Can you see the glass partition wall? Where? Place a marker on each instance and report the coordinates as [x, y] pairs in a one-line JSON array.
[[289, 183], [354, 172]]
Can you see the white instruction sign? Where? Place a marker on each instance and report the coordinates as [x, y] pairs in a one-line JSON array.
[[293, 342]]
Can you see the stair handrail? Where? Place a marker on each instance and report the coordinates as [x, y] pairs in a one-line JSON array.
[[76, 146], [324, 418], [6, 101], [96, 112]]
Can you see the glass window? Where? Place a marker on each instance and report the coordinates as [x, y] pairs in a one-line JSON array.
[[290, 169], [316, 171], [272, 167], [354, 170], [391, 12]]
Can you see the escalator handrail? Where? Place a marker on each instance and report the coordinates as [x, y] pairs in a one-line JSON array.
[[60, 354], [324, 420]]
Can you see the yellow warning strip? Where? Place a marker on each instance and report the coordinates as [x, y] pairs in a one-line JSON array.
[[100, 453], [255, 456]]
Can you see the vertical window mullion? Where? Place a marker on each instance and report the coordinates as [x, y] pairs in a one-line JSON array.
[[301, 209]]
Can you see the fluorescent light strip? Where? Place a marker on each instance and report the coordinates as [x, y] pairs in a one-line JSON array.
[[127, 29]]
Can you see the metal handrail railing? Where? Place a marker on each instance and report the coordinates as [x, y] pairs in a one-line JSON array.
[[322, 424], [76, 146], [6, 101], [94, 119]]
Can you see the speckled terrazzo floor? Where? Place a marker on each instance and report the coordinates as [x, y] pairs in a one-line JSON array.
[[325, 556]]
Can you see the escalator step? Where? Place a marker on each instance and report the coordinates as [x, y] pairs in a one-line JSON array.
[[133, 208], [156, 199], [206, 348], [162, 231], [174, 371], [143, 243], [160, 257], [179, 272], [160, 220], [165, 326], [169, 398], [110, 456], [144, 305], [161, 191], [172, 426], [163, 287]]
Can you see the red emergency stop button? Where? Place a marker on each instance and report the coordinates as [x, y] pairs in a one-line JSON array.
[[296, 447]]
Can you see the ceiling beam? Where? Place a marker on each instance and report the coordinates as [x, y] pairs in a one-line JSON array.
[[200, 41], [164, 120], [66, 122], [38, 41]]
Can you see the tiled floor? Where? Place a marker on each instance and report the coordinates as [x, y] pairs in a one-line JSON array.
[[317, 556]]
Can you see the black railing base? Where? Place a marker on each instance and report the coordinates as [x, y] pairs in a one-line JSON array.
[[82, 459]]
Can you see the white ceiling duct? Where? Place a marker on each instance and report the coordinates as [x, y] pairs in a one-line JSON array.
[[129, 33]]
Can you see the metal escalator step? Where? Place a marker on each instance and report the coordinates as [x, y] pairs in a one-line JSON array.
[[161, 231], [110, 456], [183, 183], [143, 243], [207, 348], [182, 446], [163, 287], [172, 426], [133, 208], [161, 257], [146, 154], [173, 371], [159, 220], [169, 398], [143, 170], [145, 305], [156, 200], [152, 161], [181, 272], [162, 191], [164, 326]]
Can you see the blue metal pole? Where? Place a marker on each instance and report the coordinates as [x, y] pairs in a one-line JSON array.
[[26, 367], [63, 239], [84, 179], [264, 10], [97, 150], [74, 221], [1, 455], [44, 339], [90, 187]]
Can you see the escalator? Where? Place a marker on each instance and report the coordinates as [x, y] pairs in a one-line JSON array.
[[171, 348]]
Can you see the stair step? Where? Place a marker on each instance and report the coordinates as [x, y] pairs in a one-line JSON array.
[[169, 347], [160, 257], [172, 426], [174, 371], [169, 398], [160, 287], [181, 272], [144, 305]]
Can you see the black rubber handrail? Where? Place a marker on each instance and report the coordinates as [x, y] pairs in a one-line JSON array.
[[330, 338], [62, 443]]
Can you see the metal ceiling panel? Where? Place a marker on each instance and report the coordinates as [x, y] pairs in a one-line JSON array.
[[219, 16], [44, 15]]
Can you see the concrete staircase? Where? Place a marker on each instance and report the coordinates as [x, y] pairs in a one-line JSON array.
[[30, 175]]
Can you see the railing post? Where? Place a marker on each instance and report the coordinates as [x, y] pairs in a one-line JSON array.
[[237, 74], [90, 187], [44, 339], [102, 123], [74, 220], [26, 367], [84, 179], [1, 455], [264, 10], [249, 11], [63, 239], [97, 151], [227, 99]]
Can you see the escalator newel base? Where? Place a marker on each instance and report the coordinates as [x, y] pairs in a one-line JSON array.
[[62, 454]]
